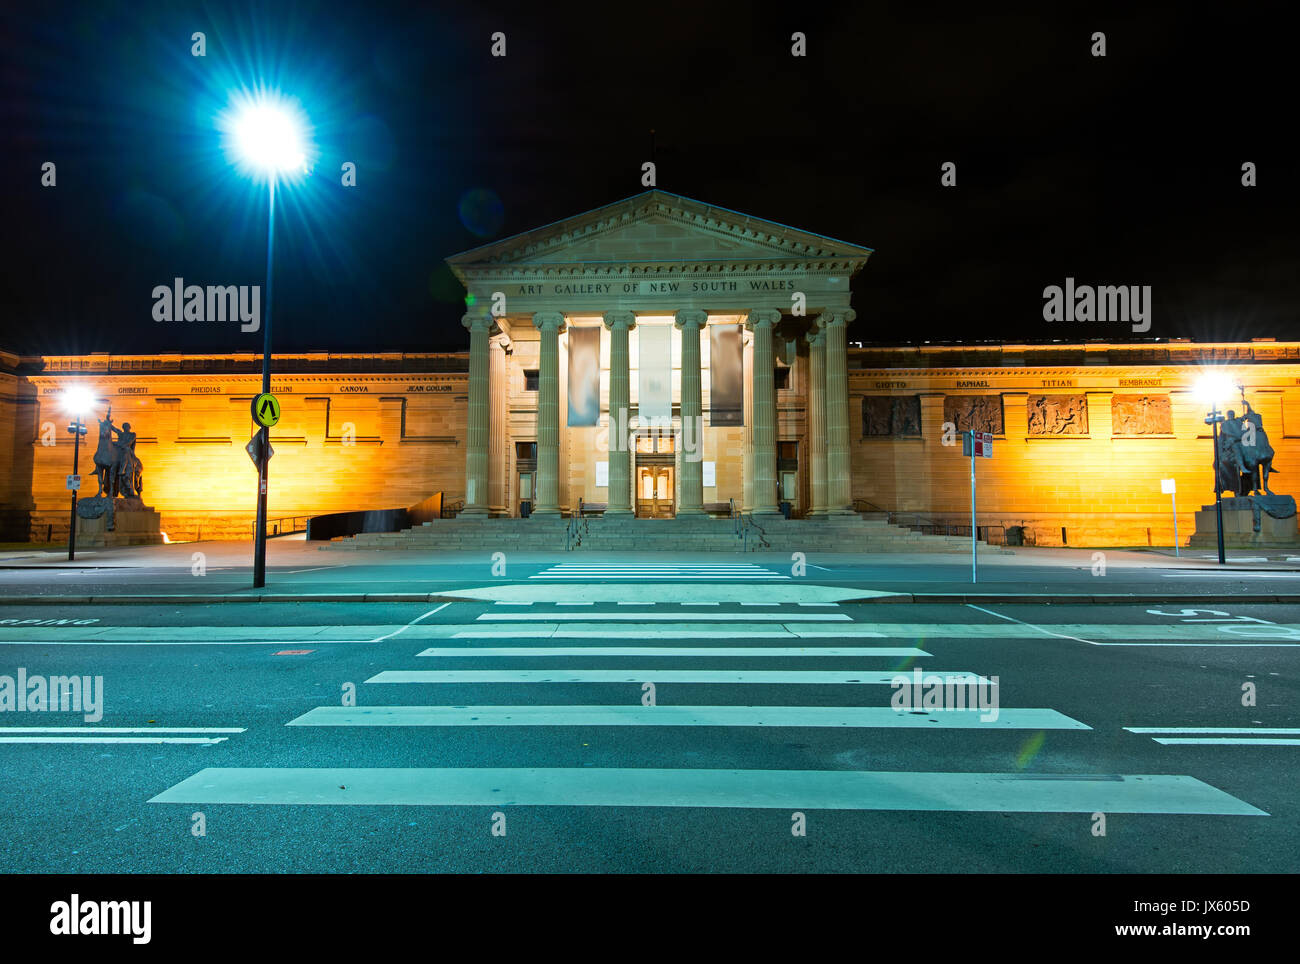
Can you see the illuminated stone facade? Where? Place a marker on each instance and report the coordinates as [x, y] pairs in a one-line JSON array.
[[636, 306]]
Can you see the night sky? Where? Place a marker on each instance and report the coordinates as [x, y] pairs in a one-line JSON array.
[[1117, 170]]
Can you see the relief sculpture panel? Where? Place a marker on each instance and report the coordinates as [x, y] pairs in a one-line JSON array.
[[1141, 415], [885, 416], [983, 413], [1057, 414]]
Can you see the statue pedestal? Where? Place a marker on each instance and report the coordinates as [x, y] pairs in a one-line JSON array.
[[134, 524], [1250, 522]]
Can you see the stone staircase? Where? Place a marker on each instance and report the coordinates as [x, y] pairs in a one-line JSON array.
[[846, 533]]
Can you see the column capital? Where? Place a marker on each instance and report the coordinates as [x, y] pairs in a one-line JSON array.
[[762, 317], [480, 320], [548, 321], [691, 317], [835, 316], [620, 319], [815, 337], [501, 340]]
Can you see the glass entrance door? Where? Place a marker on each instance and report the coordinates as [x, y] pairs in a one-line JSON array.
[[655, 492]]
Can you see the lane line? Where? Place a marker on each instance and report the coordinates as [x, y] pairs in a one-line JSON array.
[[746, 652], [1234, 730], [990, 612], [664, 617], [121, 729], [642, 675], [856, 717], [779, 789], [1226, 741], [114, 739]]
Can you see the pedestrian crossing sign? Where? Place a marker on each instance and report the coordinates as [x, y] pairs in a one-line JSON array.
[[266, 410]]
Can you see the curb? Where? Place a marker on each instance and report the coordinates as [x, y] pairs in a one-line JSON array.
[[895, 598]]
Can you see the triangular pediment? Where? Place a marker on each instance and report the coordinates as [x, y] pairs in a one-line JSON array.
[[658, 228]]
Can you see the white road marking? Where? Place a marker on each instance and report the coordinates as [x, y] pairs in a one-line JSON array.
[[640, 631], [683, 593], [417, 619], [545, 652], [1233, 730], [643, 675], [120, 729], [113, 739], [662, 617], [634, 714], [644, 787], [1225, 741]]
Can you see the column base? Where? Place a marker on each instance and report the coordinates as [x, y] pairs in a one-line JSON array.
[[619, 511], [550, 511], [694, 510], [478, 511]]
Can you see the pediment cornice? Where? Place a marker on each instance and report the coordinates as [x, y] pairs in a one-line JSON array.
[[769, 246]]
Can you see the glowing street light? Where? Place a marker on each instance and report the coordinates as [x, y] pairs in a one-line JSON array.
[[266, 135], [77, 402]]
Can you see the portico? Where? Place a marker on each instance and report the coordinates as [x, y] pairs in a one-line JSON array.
[[660, 357]]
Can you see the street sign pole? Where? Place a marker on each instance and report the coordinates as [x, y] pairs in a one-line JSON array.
[[1173, 500], [72, 526], [974, 577], [259, 540]]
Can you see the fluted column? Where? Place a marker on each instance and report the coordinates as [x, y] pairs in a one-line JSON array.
[[839, 484], [619, 497], [763, 432], [479, 324], [498, 442], [690, 488], [747, 436], [550, 324], [817, 420]]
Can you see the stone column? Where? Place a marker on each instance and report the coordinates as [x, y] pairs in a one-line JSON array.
[[839, 486], [690, 486], [619, 495], [747, 436], [763, 433], [479, 324], [550, 324], [498, 427], [817, 420]]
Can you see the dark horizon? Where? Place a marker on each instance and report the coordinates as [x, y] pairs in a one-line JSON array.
[[1123, 170]]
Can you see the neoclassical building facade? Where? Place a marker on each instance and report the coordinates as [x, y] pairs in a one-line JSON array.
[[662, 357], [658, 333]]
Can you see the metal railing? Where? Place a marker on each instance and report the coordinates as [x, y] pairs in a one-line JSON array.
[[282, 527], [574, 528], [450, 510]]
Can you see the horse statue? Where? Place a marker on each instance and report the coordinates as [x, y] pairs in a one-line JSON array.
[[1245, 455], [106, 468]]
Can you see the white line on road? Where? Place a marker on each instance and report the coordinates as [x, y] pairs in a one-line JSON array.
[[417, 619], [1233, 730], [1031, 625], [113, 739], [121, 729], [636, 715], [544, 652], [664, 617], [779, 789], [1225, 741], [642, 675]]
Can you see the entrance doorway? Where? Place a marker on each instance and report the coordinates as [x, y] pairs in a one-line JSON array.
[[654, 492]]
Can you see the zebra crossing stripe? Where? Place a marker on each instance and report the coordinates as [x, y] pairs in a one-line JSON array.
[[854, 717], [866, 678], [547, 652], [114, 739], [1225, 741], [645, 787], [662, 617], [1226, 730]]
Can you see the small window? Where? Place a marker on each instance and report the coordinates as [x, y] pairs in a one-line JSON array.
[[526, 451], [530, 379], [788, 451], [781, 378]]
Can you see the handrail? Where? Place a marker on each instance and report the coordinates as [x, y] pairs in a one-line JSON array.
[[274, 527]]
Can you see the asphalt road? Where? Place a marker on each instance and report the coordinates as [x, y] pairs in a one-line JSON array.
[[555, 739]]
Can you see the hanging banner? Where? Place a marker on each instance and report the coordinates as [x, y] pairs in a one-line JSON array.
[[584, 376], [726, 376], [655, 364]]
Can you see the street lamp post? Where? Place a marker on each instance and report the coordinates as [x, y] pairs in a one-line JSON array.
[[77, 402], [269, 138], [1213, 419]]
